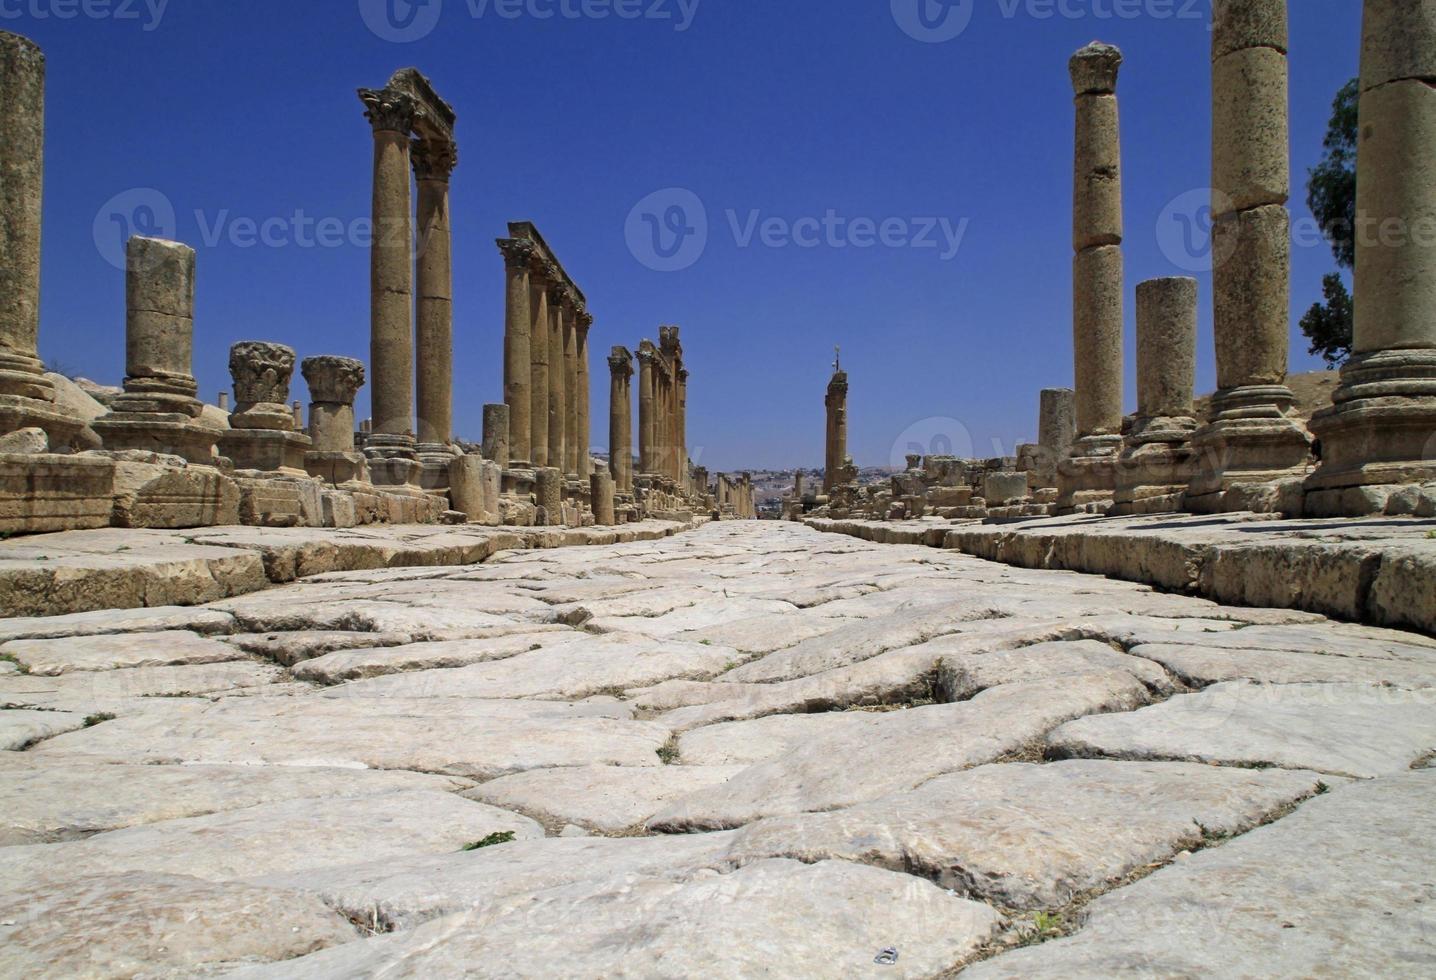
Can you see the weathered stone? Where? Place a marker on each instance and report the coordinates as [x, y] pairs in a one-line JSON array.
[[51, 657], [20, 729], [352, 664]]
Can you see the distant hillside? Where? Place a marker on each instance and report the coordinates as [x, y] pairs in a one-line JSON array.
[[1312, 389]]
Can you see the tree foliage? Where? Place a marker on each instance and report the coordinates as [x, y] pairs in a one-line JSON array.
[[1328, 326], [1331, 195]]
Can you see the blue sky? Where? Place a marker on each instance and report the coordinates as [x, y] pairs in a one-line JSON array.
[[784, 123]]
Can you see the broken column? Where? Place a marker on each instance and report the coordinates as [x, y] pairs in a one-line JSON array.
[[549, 496], [1056, 431], [158, 411], [837, 444], [434, 161], [1254, 451], [390, 447], [1087, 477], [262, 434], [620, 423], [518, 364], [496, 435], [1378, 439], [333, 384], [1155, 465], [601, 490], [27, 397]]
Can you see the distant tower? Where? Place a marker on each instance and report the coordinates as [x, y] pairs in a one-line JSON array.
[[837, 443]]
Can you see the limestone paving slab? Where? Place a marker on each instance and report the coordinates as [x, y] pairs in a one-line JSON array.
[[286, 836], [1036, 836], [83, 689], [899, 751], [1345, 729], [344, 665], [20, 728], [86, 653], [46, 804], [112, 621], [608, 799], [1200, 665], [830, 919], [145, 924], [1341, 887]]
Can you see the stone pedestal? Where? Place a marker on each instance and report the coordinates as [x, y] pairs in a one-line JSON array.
[[1254, 450], [1156, 461], [548, 493], [474, 489], [1087, 477], [333, 384], [158, 411], [1378, 439], [261, 432]]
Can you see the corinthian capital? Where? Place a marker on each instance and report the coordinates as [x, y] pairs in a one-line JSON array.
[[518, 253], [433, 159], [388, 110]]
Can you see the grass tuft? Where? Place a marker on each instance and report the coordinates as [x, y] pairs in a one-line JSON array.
[[501, 837]]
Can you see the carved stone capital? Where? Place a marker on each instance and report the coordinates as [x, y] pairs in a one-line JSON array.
[[620, 362], [388, 110], [1094, 69], [433, 159], [261, 371], [518, 253], [333, 380]]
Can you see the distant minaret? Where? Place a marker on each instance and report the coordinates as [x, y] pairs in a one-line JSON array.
[[837, 402]]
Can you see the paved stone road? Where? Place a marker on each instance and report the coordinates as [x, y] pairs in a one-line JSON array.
[[753, 749]]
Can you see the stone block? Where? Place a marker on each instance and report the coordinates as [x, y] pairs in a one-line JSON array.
[[1251, 281], [41, 493], [1097, 202], [1004, 488], [165, 495], [1251, 153], [339, 509]]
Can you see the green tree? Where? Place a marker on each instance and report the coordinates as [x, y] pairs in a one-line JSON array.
[[1331, 195]]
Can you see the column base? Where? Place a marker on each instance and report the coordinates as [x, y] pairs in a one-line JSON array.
[[434, 462], [345, 470], [173, 434], [1379, 436], [1087, 479], [1253, 457], [267, 450], [393, 463], [63, 431], [1155, 466]]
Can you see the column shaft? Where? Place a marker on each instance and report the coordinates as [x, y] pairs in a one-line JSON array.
[[391, 337], [646, 421], [518, 363], [557, 375], [571, 395], [539, 370], [22, 160], [433, 163]]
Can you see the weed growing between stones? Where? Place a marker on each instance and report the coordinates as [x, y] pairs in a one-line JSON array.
[[92, 720], [500, 837], [668, 752], [9, 658]]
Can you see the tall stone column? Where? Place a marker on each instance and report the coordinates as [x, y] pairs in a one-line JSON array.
[[620, 412], [434, 162], [837, 454], [1254, 450], [518, 363], [571, 393], [681, 426], [538, 363], [158, 411], [647, 423], [582, 321], [557, 376], [496, 435], [1155, 466], [391, 336], [27, 397], [1087, 477], [1378, 439], [333, 384]]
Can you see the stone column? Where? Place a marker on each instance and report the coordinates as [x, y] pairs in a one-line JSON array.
[[1155, 466], [620, 416], [583, 320], [1087, 478], [549, 492], [571, 393], [391, 338], [496, 435], [601, 494], [1254, 449], [646, 409], [518, 362], [262, 432], [557, 375], [1056, 431], [333, 383], [681, 428], [1378, 439], [434, 162], [158, 411], [538, 364], [27, 397], [837, 405]]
